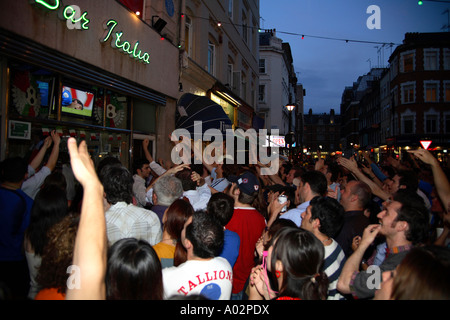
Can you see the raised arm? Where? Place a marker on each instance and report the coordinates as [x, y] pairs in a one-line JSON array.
[[51, 163], [91, 241], [36, 162], [352, 166], [440, 179]]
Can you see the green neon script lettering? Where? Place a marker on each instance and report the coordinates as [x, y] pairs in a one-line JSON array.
[[113, 24], [47, 5], [72, 17], [124, 45]]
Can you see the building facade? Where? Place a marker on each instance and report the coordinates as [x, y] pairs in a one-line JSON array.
[[322, 133], [99, 54], [127, 63], [219, 55], [278, 83], [420, 90]]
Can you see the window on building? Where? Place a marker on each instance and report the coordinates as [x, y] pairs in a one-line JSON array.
[[262, 93], [431, 59], [408, 123], [211, 57], [230, 9], [446, 59], [230, 74], [447, 123], [446, 91], [188, 36], [431, 91], [262, 66], [244, 86], [244, 27], [431, 123], [408, 92], [407, 61]]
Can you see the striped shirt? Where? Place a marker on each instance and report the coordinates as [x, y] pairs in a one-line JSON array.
[[333, 264], [129, 221]]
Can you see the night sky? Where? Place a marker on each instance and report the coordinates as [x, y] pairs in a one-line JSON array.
[[326, 66]]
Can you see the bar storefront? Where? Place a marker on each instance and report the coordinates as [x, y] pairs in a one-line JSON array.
[[90, 70]]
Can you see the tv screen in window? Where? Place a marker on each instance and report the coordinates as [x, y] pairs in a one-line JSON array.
[[77, 102]]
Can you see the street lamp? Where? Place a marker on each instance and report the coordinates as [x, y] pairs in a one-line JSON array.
[[290, 108]]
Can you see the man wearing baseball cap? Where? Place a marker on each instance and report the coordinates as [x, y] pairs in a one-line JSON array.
[[248, 223]]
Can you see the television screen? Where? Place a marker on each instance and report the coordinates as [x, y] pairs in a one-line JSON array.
[[44, 92], [77, 102]]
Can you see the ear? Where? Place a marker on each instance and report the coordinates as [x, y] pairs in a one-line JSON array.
[[187, 244], [402, 226], [316, 223], [279, 266]]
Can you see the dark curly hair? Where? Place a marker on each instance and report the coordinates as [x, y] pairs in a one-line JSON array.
[[330, 214]]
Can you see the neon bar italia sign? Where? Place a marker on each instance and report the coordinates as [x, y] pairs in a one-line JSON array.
[[77, 20], [132, 49]]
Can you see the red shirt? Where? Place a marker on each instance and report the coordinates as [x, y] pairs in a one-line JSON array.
[[50, 294], [249, 224]]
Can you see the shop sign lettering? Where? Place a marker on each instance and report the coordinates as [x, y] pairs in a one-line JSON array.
[[129, 48], [71, 13], [77, 20]]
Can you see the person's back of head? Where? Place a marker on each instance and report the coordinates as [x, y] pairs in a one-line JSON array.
[[364, 193], [301, 255], [49, 207], [330, 214], [56, 178], [107, 161], [221, 206], [117, 183], [133, 271], [415, 213], [167, 190], [206, 235], [317, 182], [186, 181], [424, 274], [13, 170]]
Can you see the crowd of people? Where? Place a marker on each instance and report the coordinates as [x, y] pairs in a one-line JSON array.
[[347, 228]]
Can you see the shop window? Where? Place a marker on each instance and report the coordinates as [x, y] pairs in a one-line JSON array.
[[144, 116], [113, 109], [32, 92]]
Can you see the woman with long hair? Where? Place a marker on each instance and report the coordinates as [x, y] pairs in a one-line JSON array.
[[291, 268], [133, 271], [50, 207], [170, 250]]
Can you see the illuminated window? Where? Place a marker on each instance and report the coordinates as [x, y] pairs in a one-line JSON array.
[[407, 61], [431, 91]]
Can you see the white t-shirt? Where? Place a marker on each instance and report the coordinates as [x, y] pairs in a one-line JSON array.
[[212, 279]]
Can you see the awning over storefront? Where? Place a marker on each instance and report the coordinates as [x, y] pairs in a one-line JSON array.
[[192, 108]]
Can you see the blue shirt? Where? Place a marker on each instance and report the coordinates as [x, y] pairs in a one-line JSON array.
[[295, 214], [231, 245], [15, 211]]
